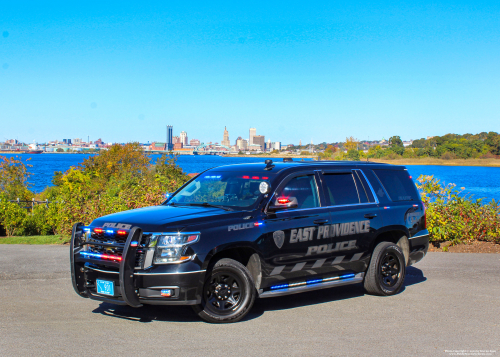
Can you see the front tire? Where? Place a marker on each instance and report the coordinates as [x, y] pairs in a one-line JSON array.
[[387, 269], [228, 293]]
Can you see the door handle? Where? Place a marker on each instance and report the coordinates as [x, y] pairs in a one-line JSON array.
[[370, 215], [320, 221]]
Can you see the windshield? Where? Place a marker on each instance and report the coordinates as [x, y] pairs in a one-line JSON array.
[[240, 190]]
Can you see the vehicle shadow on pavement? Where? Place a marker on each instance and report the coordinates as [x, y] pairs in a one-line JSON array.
[[149, 313], [413, 276]]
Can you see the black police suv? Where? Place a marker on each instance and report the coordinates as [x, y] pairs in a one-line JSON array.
[[235, 233]]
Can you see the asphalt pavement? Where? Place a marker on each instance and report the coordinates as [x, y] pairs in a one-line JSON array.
[[451, 302]]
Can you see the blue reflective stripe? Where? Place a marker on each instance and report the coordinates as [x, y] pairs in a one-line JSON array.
[[310, 282], [282, 286], [314, 281]]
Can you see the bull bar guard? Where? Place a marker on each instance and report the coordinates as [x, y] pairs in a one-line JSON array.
[[125, 266]]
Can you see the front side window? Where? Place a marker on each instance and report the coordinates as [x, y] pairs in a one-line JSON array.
[[303, 190], [341, 189], [228, 189]]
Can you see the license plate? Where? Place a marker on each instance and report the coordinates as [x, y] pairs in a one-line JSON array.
[[105, 287]]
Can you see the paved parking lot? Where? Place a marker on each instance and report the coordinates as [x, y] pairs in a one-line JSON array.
[[450, 302]]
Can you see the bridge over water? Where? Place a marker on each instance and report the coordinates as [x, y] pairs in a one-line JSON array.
[[211, 149]]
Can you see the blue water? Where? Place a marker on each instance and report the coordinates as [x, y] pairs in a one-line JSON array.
[[482, 182], [44, 165]]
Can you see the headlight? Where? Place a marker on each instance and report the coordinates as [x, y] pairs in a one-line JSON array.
[[171, 248]]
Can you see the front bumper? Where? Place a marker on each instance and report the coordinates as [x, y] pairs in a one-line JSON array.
[[131, 286], [419, 244]]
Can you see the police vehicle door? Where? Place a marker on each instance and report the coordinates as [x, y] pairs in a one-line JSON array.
[[355, 218], [290, 232]]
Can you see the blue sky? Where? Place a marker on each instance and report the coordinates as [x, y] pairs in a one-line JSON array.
[[296, 71]]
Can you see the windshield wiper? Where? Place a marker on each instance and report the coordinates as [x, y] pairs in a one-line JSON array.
[[206, 204]]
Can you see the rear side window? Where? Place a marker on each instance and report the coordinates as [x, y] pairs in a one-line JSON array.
[[398, 185], [341, 189]]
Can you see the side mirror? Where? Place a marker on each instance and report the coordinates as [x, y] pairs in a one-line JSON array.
[[282, 203]]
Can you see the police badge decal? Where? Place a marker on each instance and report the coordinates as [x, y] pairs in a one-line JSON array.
[[279, 238]]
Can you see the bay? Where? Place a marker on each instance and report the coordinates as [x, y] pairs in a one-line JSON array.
[[481, 182]]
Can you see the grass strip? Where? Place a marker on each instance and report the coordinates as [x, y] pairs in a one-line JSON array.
[[55, 239]]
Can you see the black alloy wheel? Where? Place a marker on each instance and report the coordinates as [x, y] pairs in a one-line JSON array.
[[390, 270], [228, 293], [223, 293], [387, 269]]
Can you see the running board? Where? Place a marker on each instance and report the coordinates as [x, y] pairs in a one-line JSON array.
[[358, 278]]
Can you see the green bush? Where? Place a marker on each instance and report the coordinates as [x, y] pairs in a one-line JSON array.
[[115, 180], [458, 218], [12, 217]]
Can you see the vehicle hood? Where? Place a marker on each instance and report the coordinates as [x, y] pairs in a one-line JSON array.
[[160, 218]]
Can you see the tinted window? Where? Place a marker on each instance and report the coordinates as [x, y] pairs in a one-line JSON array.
[[398, 185], [303, 188], [340, 189]]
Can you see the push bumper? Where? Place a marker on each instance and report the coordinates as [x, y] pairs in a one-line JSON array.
[[419, 244], [132, 287]]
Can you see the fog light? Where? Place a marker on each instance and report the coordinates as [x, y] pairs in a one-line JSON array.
[[166, 292]]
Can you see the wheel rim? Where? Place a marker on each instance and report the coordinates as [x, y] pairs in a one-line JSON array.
[[224, 293], [390, 270]]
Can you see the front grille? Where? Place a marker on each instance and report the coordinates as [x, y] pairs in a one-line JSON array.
[[113, 245]]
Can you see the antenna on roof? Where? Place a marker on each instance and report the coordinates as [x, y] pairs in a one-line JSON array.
[[269, 165]]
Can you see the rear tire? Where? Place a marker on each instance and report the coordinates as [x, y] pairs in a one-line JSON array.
[[386, 272], [228, 293]]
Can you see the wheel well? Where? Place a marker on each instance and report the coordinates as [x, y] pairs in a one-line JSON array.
[[246, 256], [397, 237]]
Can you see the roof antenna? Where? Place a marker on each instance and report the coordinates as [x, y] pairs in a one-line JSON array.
[[269, 165]]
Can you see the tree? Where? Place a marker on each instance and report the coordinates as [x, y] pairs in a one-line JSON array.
[[14, 179], [351, 143], [353, 154], [395, 141]]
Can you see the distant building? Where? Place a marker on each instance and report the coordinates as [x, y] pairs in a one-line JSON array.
[[252, 133], [276, 145], [178, 146], [169, 144], [194, 142], [225, 140], [67, 141], [157, 146], [77, 141], [184, 138], [254, 147], [176, 140], [260, 140], [242, 144]]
